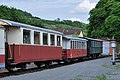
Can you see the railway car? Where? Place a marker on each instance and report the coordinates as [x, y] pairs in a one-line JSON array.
[[94, 47], [74, 48], [107, 49], [2, 47], [21, 44]]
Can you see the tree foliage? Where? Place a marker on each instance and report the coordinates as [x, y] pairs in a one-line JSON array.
[[105, 20], [18, 15]]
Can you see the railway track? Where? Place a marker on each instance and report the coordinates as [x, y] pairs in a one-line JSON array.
[[5, 73]]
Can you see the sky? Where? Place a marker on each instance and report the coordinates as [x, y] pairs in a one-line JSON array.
[[75, 10]]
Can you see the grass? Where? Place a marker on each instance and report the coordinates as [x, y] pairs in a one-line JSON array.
[[101, 77], [105, 76], [109, 74], [117, 66], [77, 78], [106, 65]]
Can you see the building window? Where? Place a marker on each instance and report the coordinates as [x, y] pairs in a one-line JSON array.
[[58, 41], [36, 38], [52, 39], [45, 39], [26, 36]]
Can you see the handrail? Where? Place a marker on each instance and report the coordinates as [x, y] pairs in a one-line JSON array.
[[19, 49], [10, 51]]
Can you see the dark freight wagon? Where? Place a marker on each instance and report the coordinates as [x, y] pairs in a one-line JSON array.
[[94, 47]]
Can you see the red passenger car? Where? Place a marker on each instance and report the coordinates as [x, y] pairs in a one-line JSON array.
[[2, 47], [26, 44], [74, 48]]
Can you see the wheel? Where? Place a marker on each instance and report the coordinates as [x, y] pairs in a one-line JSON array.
[[47, 64], [80, 59], [10, 70], [23, 66], [38, 64]]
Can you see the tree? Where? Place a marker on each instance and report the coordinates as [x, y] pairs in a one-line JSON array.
[[18, 15], [57, 20], [105, 20]]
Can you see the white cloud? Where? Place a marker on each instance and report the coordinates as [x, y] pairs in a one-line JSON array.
[[84, 7]]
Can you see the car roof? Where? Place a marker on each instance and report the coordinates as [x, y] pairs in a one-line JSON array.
[[74, 38], [17, 24]]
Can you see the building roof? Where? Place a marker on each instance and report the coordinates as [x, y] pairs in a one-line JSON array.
[[74, 38], [17, 24], [67, 31]]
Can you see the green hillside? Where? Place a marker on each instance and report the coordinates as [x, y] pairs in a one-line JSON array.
[[18, 15]]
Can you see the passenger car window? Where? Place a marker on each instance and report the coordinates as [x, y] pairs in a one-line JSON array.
[[26, 36], [45, 39], [52, 39], [58, 41], [36, 37]]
